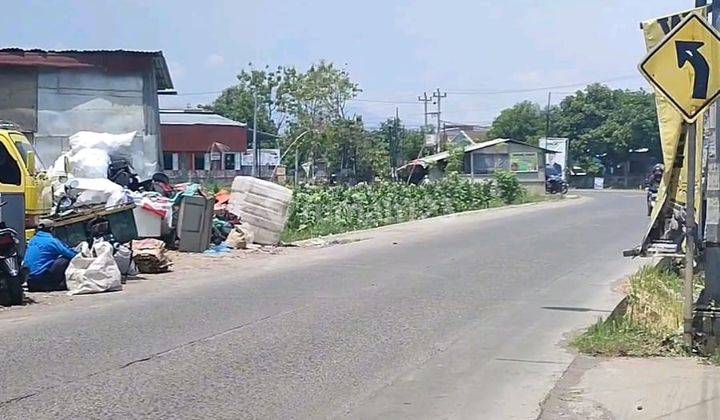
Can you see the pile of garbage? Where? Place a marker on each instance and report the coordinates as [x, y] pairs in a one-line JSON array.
[[95, 179]]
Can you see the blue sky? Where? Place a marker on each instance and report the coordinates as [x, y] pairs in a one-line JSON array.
[[395, 50]]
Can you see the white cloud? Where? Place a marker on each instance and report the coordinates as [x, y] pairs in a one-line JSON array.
[[214, 61]]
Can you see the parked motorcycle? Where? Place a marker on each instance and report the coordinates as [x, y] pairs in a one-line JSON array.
[[12, 275], [556, 185]]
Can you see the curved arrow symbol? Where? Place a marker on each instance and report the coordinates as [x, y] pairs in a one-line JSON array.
[[689, 52]]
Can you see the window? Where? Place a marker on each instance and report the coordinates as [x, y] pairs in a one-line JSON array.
[[9, 168], [487, 163], [24, 148], [229, 161], [199, 159], [524, 162], [168, 161]]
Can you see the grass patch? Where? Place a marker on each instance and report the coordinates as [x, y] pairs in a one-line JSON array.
[[619, 338], [651, 325]]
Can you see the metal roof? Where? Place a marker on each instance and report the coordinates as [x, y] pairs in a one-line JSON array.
[[477, 146], [193, 117], [108, 59]]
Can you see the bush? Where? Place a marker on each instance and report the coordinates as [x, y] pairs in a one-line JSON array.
[[318, 211], [508, 186]]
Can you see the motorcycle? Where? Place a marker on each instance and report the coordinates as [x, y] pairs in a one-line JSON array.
[[12, 275], [555, 184]]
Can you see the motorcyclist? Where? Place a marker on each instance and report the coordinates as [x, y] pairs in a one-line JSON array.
[[652, 182]]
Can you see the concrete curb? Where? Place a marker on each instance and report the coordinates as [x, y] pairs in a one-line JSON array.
[[322, 240]]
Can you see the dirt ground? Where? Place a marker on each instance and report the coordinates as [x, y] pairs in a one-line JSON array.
[[183, 266]]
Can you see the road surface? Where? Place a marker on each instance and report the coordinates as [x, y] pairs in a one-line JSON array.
[[459, 317]]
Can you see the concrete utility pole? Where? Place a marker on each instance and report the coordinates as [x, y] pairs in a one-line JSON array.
[[255, 166], [424, 99], [547, 120], [439, 96]]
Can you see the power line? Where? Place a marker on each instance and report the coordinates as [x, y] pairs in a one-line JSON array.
[[538, 89]]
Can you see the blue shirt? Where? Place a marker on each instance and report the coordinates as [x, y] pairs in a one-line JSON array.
[[42, 251]]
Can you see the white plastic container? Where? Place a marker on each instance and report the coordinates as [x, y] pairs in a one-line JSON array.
[[149, 224], [262, 207]]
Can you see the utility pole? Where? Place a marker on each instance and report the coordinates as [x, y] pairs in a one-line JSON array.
[[707, 305], [547, 122], [424, 99], [255, 150], [439, 96]]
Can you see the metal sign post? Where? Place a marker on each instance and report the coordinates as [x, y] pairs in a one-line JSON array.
[[690, 230]]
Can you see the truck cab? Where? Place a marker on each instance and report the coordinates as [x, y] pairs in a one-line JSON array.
[[24, 185]]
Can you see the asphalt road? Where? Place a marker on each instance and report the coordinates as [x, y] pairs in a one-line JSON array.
[[460, 317]]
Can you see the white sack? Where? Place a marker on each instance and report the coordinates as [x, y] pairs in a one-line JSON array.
[[109, 143], [96, 190], [93, 270], [89, 163]]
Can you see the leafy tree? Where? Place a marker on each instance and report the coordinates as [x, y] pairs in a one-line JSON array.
[[413, 144], [524, 121], [455, 162], [271, 87], [606, 124]]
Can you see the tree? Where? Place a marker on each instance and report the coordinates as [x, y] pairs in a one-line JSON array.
[[271, 87], [605, 124], [525, 121], [455, 162]]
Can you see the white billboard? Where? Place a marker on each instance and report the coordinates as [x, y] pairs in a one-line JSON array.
[[558, 160]]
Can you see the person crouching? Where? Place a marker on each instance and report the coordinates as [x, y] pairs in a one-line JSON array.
[[46, 259]]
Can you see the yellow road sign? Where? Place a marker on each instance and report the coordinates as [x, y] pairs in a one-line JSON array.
[[685, 66]]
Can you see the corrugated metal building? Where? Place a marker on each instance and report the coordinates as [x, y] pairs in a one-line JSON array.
[[198, 144], [54, 94]]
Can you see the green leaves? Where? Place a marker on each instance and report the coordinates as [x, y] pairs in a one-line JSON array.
[[525, 121], [320, 211]]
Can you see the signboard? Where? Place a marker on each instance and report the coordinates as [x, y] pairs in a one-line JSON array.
[[598, 183], [556, 161], [524, 162], [268, 157], [685, 66], [215, 156], [671, 197]]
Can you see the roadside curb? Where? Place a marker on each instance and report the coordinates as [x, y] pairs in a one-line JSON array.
[[324, 240]]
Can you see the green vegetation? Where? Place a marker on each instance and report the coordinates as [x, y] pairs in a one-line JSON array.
[[319, 211], [604, 125], [650, 326], [619, 338]]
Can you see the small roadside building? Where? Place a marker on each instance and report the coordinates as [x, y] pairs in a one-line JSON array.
[[481, 160], [52, 95], [199, 145]]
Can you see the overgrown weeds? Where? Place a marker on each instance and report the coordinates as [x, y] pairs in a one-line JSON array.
[[651, 325]]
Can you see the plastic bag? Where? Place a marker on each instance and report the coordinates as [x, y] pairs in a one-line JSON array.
[[103, 141], [93, 270], [96, 190], [123, 258], [89, 163]]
